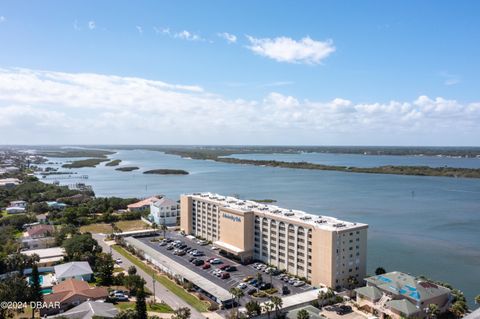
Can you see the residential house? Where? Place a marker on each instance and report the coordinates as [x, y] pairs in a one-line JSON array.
[[15, 210], [165, 211], [18, 203], [143, 205], [48, 256], [79, 270], [38, 236], [56, 205], [90, 309], [42, 218], [9, 182], [399, 295], [71, 293]]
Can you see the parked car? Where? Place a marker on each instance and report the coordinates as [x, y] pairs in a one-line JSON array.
[[120, 297], [230, 268], [247, 279], [242, 285], [181, 253], [203, 243], [225, 275], [163, 243], [118, 261], [198, 262], [214, 248], [192, 259], [265, 286], [253, 282], [206, 266], [298, 283], [285, 290], [223, 267], [169, 247], [216, 261], [198, 254]]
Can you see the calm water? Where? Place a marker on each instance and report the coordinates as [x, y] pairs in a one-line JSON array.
[[420, 225], [359, 160]]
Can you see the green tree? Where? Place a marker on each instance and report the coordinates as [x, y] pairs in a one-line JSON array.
[[141, 305], [133, 283], [127, 314], [81, 247], [432, 311], [477, 299], [259, 277], [352, 283], [132, 270], [12, 288], [35, 291], [105, 265], [277, 304], [253, 308], [181, 313], [237, 293], [303, 314], [459, 308], [380, 271], [268, 307]]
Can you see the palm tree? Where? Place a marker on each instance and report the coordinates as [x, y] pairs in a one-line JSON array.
[[321, 298], [303, 314], [477, 299], [352, 282], [267, 307], [237, 293], [164, 228], [459, 308], [277, 304], [181, 313], [253, 308]]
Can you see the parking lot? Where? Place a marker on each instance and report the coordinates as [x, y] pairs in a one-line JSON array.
[[236, 277]]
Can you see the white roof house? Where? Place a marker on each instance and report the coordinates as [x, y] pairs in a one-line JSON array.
[[76, 269], [47, 255], [15, 210], [89, 309]]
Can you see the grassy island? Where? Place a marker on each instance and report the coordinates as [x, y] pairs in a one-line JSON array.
[[164, 171], [113, 163], [126, 168], [264, 201], [75, 153], [90, 162], [218, 155]]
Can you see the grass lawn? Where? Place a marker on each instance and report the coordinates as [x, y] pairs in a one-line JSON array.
[[124, 225], [170, 285], [157, 307]]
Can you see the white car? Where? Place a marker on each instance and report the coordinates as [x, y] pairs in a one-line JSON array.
[[242, 285], [118, 261], [298, 283], [214, 248]]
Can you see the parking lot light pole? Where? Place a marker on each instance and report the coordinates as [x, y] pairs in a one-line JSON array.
[[154, 296]]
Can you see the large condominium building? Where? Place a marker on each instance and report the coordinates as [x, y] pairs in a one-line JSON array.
[[325, 250]]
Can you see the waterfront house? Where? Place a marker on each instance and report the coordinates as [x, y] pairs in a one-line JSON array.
[[143, 205], [18, 203], [56, 205], [165, 211], [399, 295], [71, 293], [15, 210], [79, 270], [9, 182]]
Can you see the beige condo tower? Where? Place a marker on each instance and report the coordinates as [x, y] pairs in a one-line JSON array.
[[323, 249]]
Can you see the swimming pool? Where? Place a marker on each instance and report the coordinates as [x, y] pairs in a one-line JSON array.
[[46, 291]]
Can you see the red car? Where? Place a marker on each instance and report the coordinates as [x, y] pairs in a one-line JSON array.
[[225, 275], [206, 266], [222, 267]]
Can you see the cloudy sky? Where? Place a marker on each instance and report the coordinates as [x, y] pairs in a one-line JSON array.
[[186, 72]]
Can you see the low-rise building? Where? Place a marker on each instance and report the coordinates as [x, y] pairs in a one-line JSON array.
[[399, 295], [89, 310], [9, 182], [40, 231], [18, 203], [15, 210], [48, 256], [144, 204], [56, 205], [79, 270], [165, 211], [71, 293]]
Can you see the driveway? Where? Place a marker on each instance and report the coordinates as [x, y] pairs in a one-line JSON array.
[[161, 292]]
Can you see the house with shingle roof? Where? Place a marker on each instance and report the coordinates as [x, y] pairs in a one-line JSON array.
[[396, 294], [79, 270], [71, 293], [90, 309], [143, 204]]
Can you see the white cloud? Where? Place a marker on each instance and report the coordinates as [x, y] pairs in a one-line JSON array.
[[91, 25], [57, 107], [139, 29], [450, 79], [230, 38], [183, 35], [2, 19], [284, 49]]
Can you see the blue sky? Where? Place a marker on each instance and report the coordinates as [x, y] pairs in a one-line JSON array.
[[289, 59]]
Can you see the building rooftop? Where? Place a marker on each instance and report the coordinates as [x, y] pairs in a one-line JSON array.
[[46, 252], [72, 269], [71, 287], [408, 286], [145, 202], [40, 230], [164, 202], [322, 222], [89, 309]]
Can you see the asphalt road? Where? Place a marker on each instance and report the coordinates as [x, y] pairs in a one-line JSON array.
[[161, 292]]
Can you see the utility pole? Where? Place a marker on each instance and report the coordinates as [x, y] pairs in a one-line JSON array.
[[154, 296]]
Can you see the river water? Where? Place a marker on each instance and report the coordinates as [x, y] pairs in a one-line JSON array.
[[420, 225]]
